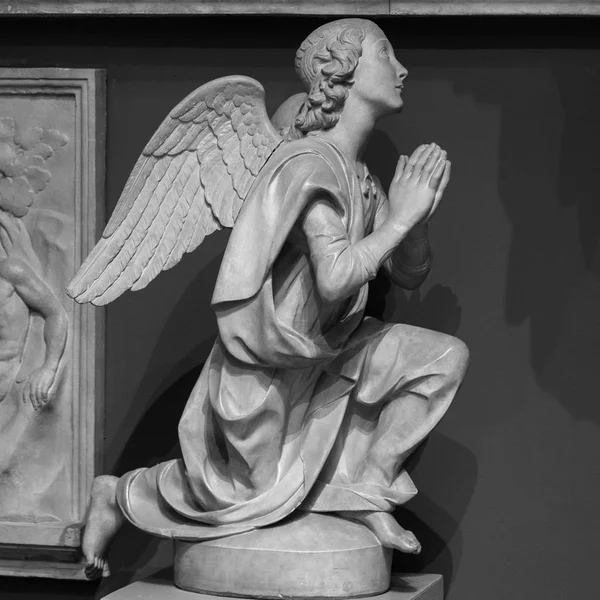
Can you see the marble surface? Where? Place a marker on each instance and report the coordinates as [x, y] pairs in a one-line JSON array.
[[423, 586], [306, 7], [51, 365], [308, 549]]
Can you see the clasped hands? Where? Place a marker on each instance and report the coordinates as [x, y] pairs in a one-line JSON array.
[[418, 185]]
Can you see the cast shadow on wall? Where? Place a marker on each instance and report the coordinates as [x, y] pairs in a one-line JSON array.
[[135, 554], [548, 186], [155, 411], [437, 309], [437, 521], [185, 340]]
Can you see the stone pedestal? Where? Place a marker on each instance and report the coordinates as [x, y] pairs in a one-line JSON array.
[[307, 556], [404, 587], [310, 555]]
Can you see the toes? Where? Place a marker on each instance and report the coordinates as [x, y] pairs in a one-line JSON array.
[[106, 571], [103, 566], [411, 543], [91, 572], [94, 568]]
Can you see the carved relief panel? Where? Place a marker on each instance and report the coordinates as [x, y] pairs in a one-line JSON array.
[[51, 349]]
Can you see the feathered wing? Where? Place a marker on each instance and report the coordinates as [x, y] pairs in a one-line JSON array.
[[190, 180]]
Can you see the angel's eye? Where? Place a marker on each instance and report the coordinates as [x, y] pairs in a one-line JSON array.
[[384, 52]]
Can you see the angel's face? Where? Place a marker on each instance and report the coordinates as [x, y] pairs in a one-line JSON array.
[[379, 77]]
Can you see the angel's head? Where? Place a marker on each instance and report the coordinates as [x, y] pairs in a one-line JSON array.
[[347, 56]]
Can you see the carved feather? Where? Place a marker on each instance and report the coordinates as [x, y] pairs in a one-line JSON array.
[[197, 205], [191, 180]]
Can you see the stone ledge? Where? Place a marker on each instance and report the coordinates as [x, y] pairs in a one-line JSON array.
[[159, 587]]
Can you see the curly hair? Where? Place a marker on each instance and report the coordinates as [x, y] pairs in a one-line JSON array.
[[326, 62]]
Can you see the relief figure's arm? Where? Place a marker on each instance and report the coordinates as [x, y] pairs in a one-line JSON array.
[[39, 298], [341, 267]]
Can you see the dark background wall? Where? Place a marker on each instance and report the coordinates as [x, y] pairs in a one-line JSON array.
[[509, 482]]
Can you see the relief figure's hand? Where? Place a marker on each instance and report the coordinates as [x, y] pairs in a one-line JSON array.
[[37, 387], [418, 186]]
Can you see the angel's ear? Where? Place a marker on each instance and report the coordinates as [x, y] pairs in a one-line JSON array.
[[284, 116]]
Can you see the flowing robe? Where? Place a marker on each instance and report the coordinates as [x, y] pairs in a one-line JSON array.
[[298, 389]]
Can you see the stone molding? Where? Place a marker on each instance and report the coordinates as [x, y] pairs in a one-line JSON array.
[[300, 7], [51, 548]]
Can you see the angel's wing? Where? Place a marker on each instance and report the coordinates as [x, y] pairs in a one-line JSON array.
[[190, 180]]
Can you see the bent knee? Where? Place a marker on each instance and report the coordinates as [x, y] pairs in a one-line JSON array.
[[456, 355]]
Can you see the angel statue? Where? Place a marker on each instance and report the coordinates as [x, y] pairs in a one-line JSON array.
[[303, 404]]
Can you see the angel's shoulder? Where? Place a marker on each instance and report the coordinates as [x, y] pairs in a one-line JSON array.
[[310, 157]]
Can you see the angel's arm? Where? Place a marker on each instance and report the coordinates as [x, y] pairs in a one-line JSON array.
[[341, 267], [410, 262]]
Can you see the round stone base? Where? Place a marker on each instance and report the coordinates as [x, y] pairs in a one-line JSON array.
[[307, 556]]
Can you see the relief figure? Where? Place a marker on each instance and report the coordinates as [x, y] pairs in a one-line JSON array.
[[33, 327], [22, 292]]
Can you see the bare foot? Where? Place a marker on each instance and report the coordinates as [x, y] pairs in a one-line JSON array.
[[387, 530], [104, 519]]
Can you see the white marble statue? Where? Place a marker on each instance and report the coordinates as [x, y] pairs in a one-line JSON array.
[[303, 404]]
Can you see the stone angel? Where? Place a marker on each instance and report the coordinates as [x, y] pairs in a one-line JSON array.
[[303, 404]]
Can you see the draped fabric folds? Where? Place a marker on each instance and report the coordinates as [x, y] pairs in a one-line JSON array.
[[289, 401]]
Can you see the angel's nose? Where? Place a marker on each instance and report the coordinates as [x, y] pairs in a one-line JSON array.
[[402, 72]]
